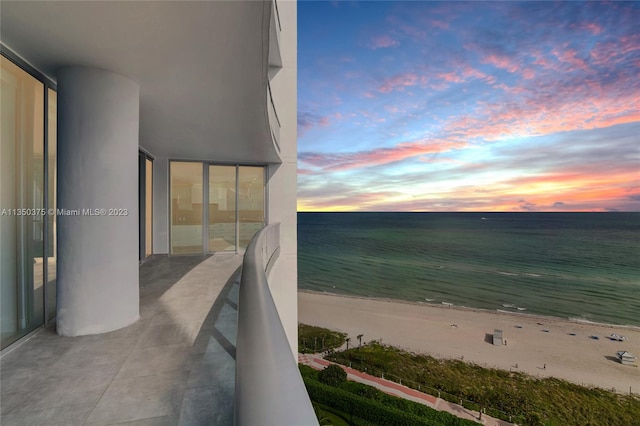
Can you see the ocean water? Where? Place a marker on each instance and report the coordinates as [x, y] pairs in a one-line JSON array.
[[572, 265]]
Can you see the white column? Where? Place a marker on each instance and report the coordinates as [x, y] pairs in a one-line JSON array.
[[98, 117]]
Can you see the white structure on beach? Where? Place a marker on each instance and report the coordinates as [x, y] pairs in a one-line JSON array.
[[626, 358], [497, 337]]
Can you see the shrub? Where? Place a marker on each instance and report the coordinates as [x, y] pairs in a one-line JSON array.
[[363, 408], [333, 375]]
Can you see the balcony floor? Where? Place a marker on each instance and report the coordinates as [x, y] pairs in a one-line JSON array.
[[175, 366]]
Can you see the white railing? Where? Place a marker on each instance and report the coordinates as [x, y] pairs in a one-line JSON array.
[[269, 388]]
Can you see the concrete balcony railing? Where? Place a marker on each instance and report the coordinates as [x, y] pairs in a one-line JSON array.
[[274, 120], [269, 388]]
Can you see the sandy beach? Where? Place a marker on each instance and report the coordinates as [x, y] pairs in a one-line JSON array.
[[540, 346]]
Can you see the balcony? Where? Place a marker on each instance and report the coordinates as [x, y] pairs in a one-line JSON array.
[[176, 365]]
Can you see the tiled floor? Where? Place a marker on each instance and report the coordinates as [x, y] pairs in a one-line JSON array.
[[175, 366]]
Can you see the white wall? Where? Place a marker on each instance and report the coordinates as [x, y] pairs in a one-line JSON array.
[[97, 285], [283, 177]]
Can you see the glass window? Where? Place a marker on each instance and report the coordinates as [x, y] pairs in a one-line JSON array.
[[222, 208], [186, 207], [22, 198], [52, 145], [250, 203]]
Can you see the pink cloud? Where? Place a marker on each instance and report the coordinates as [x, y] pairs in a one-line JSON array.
[[611, 52], [528, 73], [450, 77], [399, 81], [349, 201], [570, 56], [592, 27], [308, 120], [378, 156], [305, 171], [383, 42], [547, 109], [502, 62]]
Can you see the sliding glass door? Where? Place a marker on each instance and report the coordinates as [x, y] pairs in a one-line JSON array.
[[235, 196], [186, 207], [250, 203], [222, 208], [22, 203]]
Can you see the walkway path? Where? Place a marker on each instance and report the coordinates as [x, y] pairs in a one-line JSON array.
[[395, 389]]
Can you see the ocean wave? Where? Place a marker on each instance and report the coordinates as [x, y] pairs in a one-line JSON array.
[[510, 274], [589, 322], [505, 311]]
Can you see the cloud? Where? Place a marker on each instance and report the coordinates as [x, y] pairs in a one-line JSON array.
[[305, 171], [526, 205], [309, 120], [399, 81], [502, 61], [384, 41], [542, 97], [377, 156]]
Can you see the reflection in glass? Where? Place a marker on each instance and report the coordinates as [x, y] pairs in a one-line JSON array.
[[186, 207], [250, 203], [21, 187], [52, 145], [222, 208]]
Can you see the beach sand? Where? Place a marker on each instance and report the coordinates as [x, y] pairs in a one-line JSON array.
[[425, 328]]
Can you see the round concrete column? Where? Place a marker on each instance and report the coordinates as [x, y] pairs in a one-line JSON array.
[[97, 282]]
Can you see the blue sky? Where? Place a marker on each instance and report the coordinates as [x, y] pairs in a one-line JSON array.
[[468, 106]]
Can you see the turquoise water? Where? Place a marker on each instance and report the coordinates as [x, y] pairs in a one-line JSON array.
[[572, 265]]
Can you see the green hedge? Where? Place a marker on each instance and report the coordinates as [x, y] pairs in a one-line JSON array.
[[364, 408], [390, 401], [404, 405]]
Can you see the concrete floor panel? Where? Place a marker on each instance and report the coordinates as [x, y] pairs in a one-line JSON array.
[[176, 365]]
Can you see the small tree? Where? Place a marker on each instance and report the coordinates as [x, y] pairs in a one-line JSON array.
[[348, 339], [359, 336], [332, 375]]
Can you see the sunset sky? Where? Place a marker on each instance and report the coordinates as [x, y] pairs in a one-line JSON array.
[[456, 106]]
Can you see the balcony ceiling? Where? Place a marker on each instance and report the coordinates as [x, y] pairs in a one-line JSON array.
[[201, 66]]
